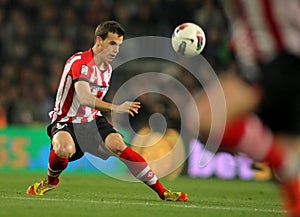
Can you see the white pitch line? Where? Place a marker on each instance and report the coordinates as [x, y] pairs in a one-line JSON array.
[[180, 204]]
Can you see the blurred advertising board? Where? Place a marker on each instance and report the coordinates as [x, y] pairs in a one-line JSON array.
[[203, 163], [27, 149]]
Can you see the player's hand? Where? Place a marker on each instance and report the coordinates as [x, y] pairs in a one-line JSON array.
[[128, 107]]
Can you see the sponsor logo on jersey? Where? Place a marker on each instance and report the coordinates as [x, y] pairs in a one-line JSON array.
[[95, 88]]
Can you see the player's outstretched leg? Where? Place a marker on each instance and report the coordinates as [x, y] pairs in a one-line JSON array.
[[141, 170]]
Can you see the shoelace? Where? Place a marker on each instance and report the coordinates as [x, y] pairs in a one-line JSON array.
[[42, 185], [172, 195]]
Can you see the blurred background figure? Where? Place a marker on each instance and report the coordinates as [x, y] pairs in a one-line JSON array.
[[261, 90]]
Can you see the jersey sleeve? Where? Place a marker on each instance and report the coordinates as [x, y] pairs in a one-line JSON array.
[[80, 71]]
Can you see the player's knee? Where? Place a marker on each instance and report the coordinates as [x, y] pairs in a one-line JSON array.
[[64, 150], [115, 143]]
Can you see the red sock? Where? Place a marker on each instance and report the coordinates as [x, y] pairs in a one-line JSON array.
[[275, 156], [247, 134], [141, 170], [290, 191], [234, 132], [55, 166]]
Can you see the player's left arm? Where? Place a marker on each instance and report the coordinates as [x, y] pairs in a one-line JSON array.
[[82, 89]]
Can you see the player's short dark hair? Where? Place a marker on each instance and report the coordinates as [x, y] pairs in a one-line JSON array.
[[105, 27]]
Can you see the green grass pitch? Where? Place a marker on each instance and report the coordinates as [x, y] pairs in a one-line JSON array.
[[98, 195]]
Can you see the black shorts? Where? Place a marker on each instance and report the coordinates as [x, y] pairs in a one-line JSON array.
[[88, 137], [280, 107]]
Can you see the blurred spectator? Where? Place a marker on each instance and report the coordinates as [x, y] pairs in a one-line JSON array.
[[3, 120], [16, 37]]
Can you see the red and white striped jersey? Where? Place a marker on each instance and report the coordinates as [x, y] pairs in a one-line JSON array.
[[80, 66], [263, 28]]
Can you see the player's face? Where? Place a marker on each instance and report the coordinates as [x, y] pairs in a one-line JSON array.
[[110, 46]]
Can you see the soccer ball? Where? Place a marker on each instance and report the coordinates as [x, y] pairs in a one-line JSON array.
[[188, 39]]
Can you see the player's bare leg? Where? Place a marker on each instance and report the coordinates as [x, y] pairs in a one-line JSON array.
[[240, 98]]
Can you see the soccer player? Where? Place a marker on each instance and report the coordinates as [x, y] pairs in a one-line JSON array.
[[77, 124], [263, 93]]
